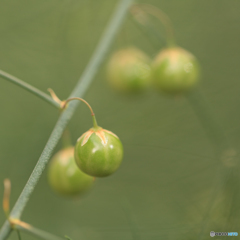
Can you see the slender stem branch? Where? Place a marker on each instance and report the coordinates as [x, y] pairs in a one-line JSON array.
[[205, 114], [22, 226], [66, 139], [139, 12], [17, 224], [29, 88], [68, 238], [222, 145], [19, 235], [82, 100], [156, 38], [132, 220], [82, 86]]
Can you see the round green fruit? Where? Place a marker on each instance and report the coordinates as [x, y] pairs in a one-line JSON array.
[[175, 70], [129, 70], [98, 152], [64, 175]]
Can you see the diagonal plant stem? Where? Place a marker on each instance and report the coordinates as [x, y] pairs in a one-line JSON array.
[[25, 227], [147, 30], [222, 146], [202, 109], [140, 14], [132, 220], [19, 235], [29, 88], [81, 87]]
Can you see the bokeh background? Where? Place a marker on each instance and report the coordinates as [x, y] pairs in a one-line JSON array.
[[167, 177]]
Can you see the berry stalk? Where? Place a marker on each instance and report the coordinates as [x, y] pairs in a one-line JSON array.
[[90, 108]]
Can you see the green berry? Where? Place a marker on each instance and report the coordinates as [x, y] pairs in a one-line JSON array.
[[129, 70], [64, 175], [98, 152], [175, 70]]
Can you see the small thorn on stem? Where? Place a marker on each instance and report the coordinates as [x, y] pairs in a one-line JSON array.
[[56, 98]]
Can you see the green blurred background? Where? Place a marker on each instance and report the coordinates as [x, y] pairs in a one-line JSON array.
[[163, 186]]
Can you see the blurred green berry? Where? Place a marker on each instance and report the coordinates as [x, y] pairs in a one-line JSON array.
[[129, 70], [64, 175], [175, 70]]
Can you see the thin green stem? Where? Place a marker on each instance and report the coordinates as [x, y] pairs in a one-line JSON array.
[[66, 139], [95, 125], [84, 101], [140, 11], [36, 232], [205, 114], [132, 220], [80, 99], [19, 235], [223, 147], [29, 88], [68, 238], [147, 31], [81, 87]]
